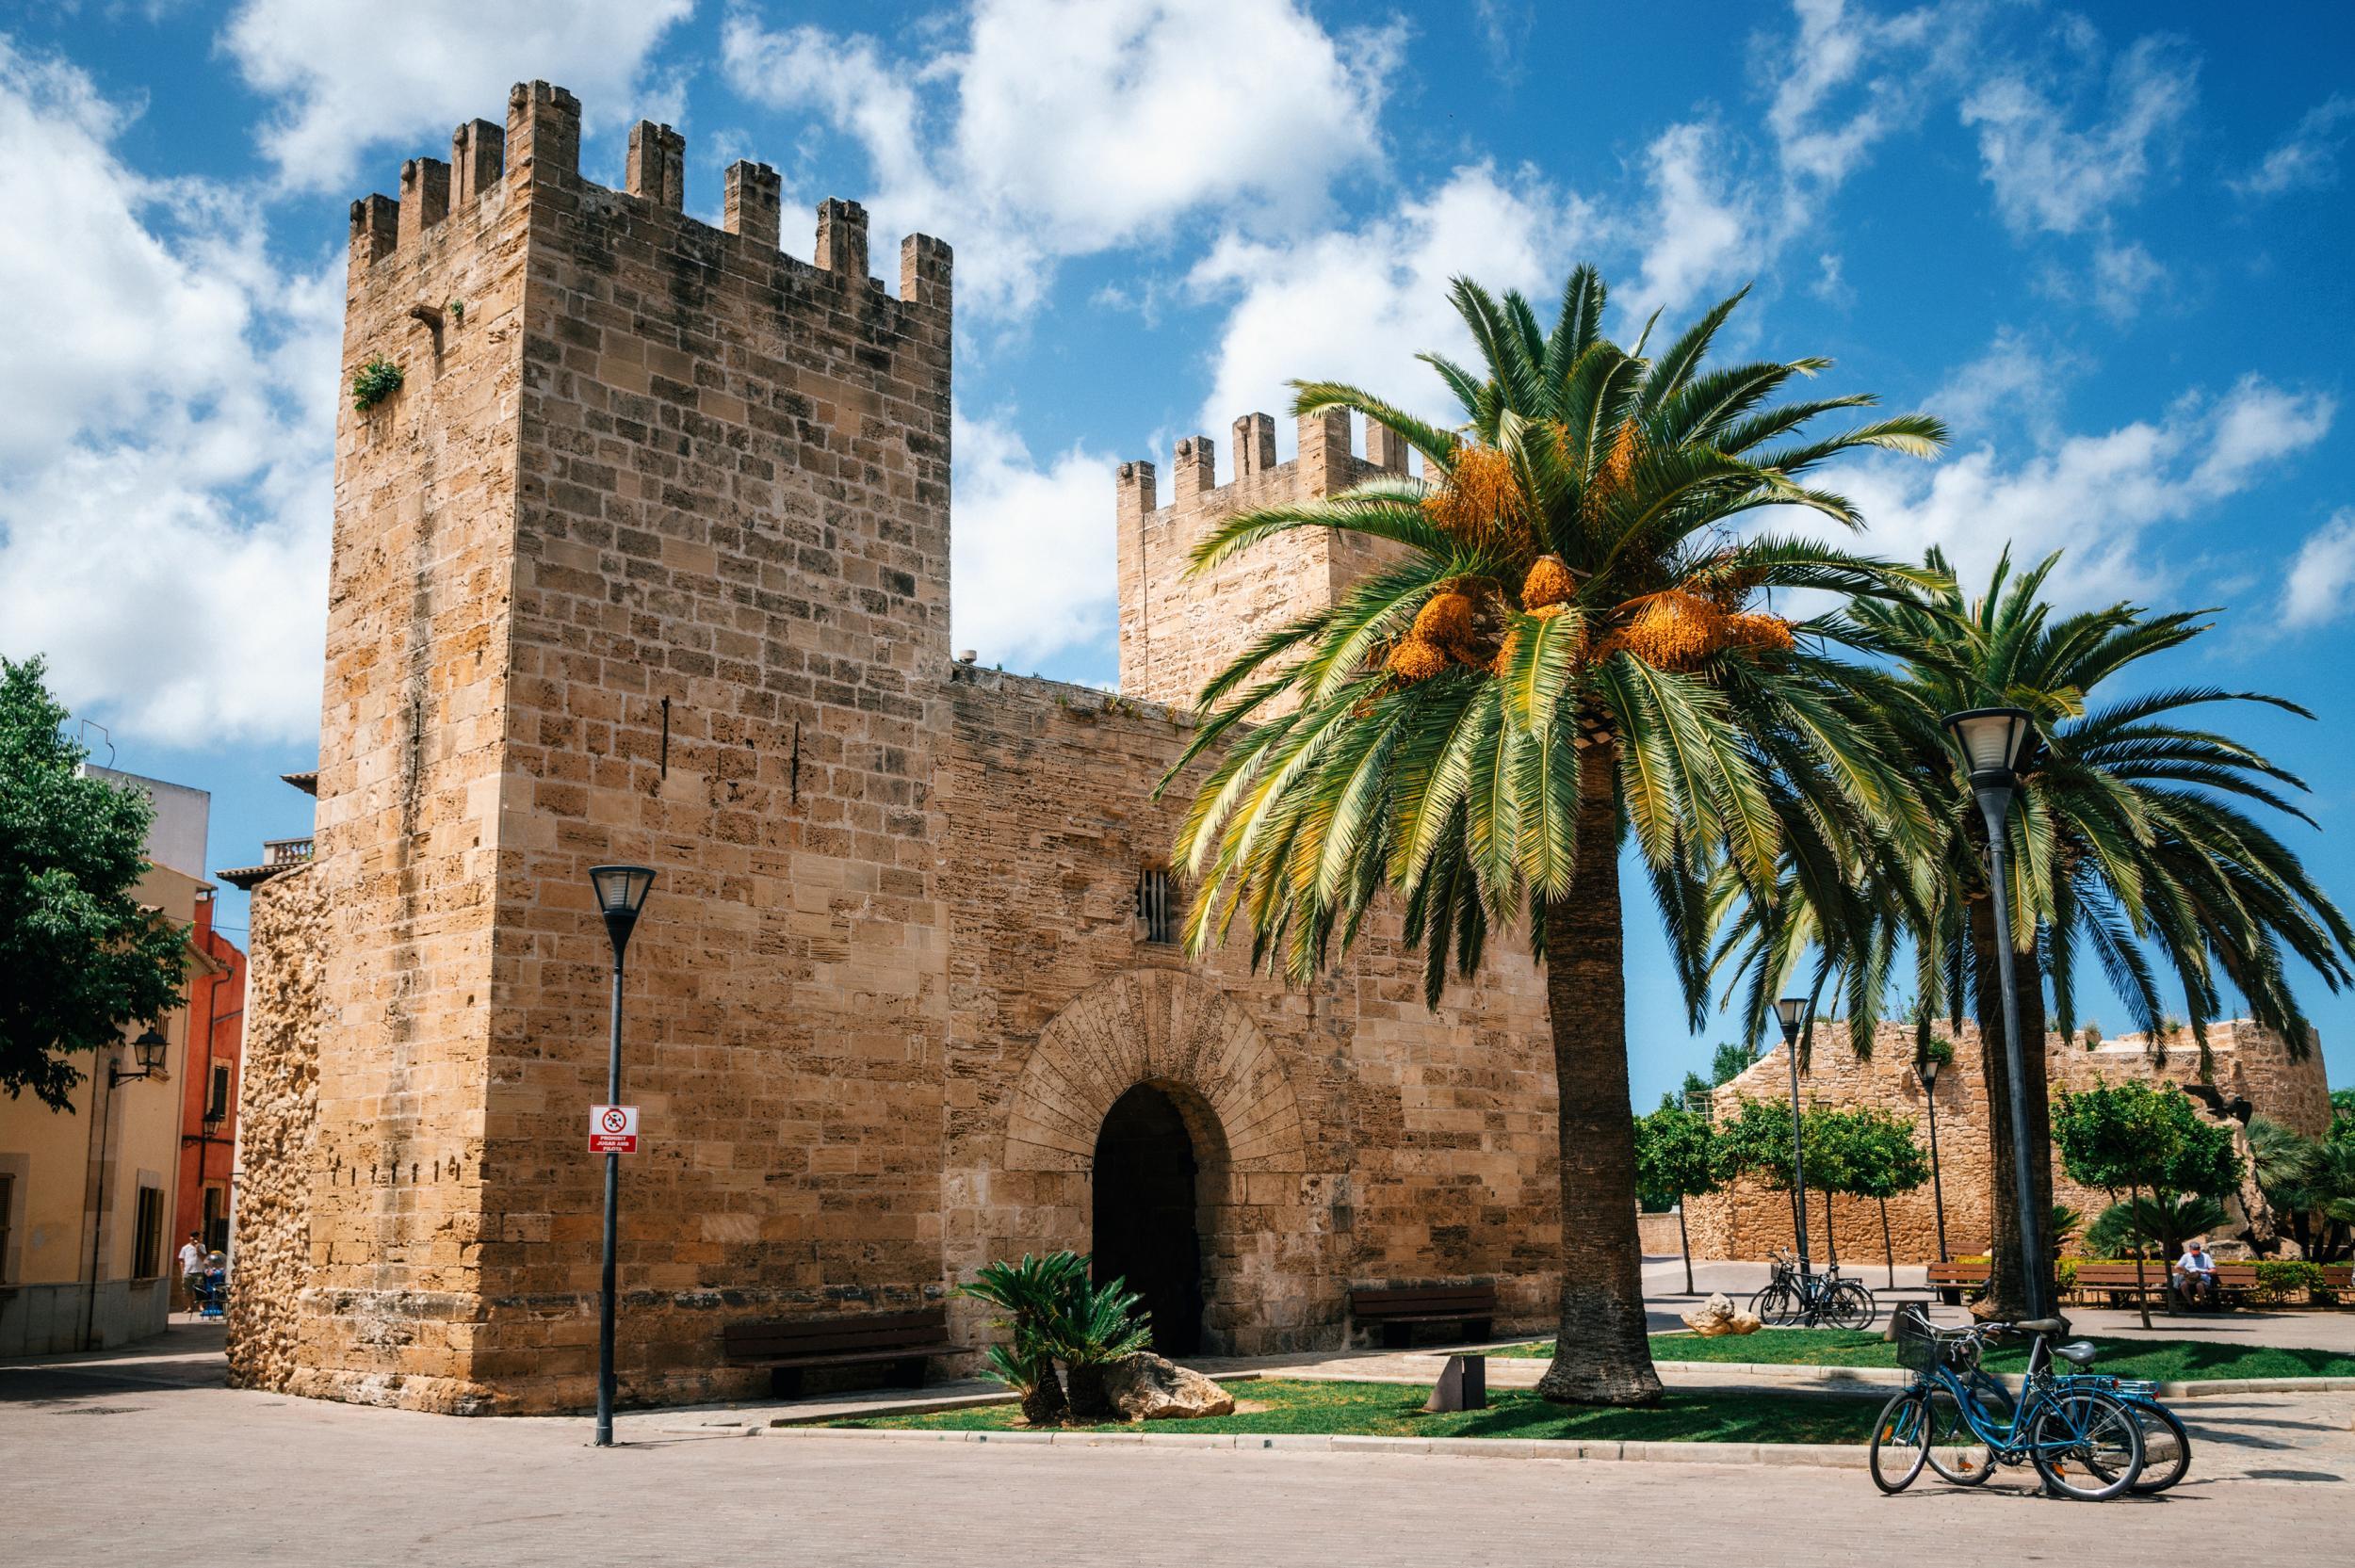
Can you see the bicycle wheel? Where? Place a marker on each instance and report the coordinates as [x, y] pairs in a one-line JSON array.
[[1775, 1306], [1901, 1441], [1956, 1451], [1849, 1305], [2166, 1447], [2086, 1444]]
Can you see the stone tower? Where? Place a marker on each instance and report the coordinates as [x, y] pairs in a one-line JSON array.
[[1177, 632], [645, 559]]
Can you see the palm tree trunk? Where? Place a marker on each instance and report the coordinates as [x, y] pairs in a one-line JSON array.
[[1685, 1245], [2006, 1278], [1889, 1248], [1601, 1353]]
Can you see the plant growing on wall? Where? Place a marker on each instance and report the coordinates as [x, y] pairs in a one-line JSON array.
[[1675, 1158], [373, 382], [82, 963]]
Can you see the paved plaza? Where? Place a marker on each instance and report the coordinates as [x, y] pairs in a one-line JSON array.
[[142, 1456]]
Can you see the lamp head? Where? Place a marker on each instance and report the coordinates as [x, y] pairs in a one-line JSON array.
[[1792, 1011], [149, 1050], [1993, 741], [1927, 1070], [621, 892]]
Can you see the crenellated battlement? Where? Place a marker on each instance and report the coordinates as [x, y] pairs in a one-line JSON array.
[[1176, 631], [540, 147]]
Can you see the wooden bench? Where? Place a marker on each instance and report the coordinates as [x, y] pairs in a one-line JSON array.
[[2235, 1283], [2340, 1278], [1956, 1282], [1396, 1309], [790, 1346]]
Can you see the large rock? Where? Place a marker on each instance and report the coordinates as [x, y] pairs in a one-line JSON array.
[[1719, 1316], [1149, 1388]]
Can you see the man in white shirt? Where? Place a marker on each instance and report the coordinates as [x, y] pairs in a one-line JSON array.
[[193, 1259], [2195, 1274]]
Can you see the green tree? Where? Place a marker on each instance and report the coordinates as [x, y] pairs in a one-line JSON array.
[[2309, 1181], [1755, 1142], [2139, 1138], [1729, 1061], [1881, 1160], [1675, 1158], [1035, 1296], [2129, 844], [81, 960], [1568, 635]]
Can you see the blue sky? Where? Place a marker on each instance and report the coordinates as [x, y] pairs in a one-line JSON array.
[[2107, 244]]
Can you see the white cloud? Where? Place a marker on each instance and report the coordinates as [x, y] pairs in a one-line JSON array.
[[2308, 159], [358, 73], [1073, 126], [1834, 50], [1358, 304], [2123, 274], [1031, 547], [2015, 385], [2315, 588], [164, 493], [1708, 231], [2100, 497], [2051, 177]]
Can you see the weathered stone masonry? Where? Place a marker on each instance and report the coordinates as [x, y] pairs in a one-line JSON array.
[[647, 560]]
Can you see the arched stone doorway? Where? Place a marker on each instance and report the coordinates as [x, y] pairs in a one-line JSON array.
[[1146, 1228], [1264, 1218]]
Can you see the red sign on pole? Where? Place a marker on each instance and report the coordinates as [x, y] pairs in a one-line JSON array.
[[612, 1129]]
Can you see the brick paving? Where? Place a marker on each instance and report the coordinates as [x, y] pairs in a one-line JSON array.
[[142, 1457]]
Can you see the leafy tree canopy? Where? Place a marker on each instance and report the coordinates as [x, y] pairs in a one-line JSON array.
[[1729, 1062], [81, 961], [1676, 1157], [2137, 1136]]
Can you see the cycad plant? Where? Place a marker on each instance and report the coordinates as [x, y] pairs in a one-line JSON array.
[[1096, 1325], [2310, 1183], [1034, 1295], [2130, 844], [1570, 635]]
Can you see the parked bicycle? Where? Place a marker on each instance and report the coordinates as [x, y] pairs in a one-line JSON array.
[[1793, 1299], [2085, 1441]]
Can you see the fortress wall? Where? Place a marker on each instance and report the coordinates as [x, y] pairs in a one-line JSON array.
[[2253, 1072], [277, 1128], [1371, 1140]]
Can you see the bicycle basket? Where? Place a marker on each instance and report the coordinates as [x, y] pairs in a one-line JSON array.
[[1921, 1346]]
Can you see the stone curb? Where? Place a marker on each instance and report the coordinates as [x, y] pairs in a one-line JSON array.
[[1821, 1456], [1891, 1377], [955, 1402]]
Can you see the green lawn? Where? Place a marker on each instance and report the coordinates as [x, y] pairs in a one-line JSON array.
[[1394, 1410], [2160, 1360]]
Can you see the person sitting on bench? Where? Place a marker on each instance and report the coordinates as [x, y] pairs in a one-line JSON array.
[[2194, 1274]]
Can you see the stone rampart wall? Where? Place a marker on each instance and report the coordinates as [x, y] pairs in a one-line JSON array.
[[2249, 1064]]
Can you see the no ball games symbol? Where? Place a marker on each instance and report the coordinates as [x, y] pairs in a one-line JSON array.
[[612, 1129]]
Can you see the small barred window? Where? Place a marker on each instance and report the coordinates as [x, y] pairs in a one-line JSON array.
[[1157, 905]]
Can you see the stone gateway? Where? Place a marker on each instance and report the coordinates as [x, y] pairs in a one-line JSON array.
[[646, 559]]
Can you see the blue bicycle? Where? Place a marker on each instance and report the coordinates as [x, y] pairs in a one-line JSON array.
[[2084, 1440]]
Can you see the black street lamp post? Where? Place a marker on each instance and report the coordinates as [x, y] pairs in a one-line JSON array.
[[620, 892], [1927, 1070], [1792, 1011], [1994, 740]]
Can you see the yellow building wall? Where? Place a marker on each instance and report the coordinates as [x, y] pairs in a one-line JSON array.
[[53, 1158]]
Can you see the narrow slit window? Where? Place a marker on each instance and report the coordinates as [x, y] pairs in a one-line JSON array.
[[1157, 905], [146, 1243], [216, 1103]]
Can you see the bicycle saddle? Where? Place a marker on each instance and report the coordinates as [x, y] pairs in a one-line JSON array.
[[2081, 1353], [2040, 1325]]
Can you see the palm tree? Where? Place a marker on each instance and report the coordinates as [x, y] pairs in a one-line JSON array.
[[2127, 842], [1569, 636]]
